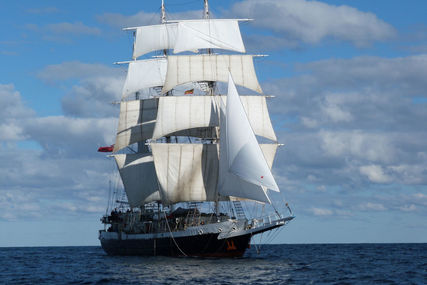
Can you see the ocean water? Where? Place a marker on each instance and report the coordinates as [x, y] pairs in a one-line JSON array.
[[274, 264]]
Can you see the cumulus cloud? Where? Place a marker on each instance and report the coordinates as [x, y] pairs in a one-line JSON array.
[[97, 87], [64, 31], [375, 173], [310, 22], [65, 166], [13, 113], [351, 126]]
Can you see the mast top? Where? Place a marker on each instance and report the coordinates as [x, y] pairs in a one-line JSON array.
[[206, 10], [163, 17]]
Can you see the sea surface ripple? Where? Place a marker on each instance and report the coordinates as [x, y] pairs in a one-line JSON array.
[[274, 264]]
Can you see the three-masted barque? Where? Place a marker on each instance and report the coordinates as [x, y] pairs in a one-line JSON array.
[[188, 157]]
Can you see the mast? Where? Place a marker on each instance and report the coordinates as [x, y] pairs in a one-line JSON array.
[[211, 86], [206, 10], [163, 17]]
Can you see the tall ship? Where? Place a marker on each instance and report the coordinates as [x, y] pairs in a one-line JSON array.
[[194, 156]]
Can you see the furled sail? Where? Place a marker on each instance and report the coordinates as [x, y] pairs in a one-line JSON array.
[[186, 172], [209, 33], [139, 178], [209, 67], [244, 155], [144, 74], [136, 122], [189, 35]]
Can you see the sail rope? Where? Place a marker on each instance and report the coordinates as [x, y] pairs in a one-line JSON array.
[[173, 239]]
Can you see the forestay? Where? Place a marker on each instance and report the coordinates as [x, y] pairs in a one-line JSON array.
[[136, 122], [139, 178], [189, 35], [144, 74], [208, 67]]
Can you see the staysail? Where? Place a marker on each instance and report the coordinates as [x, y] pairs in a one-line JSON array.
[[244, 155]]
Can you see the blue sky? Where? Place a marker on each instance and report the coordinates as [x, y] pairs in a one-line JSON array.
[[350, 84]]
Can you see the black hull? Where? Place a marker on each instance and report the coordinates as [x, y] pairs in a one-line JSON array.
[[206, 245]]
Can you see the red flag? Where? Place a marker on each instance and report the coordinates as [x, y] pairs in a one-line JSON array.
[[106, 148], [191, 91]]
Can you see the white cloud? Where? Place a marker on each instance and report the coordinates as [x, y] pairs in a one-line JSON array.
[[369, 206], [375, 173], [13, 112], [408, 208], [97, 87], [75, 70], [358, 144], [64, 31], [76, 28], [313, 21], [321, 212], [11, 132], [34, 182]]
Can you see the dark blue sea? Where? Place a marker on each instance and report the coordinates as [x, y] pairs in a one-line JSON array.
[[275, 264]]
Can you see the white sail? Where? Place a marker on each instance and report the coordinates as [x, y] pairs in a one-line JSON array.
[[192, 68], [245, 157], [197, 113], [136, 122], [232, 185], [209, 33], [189, 35], [139, 178], [191, 113], [186, 172], [269, 152], [144, 74], [154, 37], [258, 116]]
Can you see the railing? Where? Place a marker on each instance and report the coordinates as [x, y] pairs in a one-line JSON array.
[[258, 222]]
